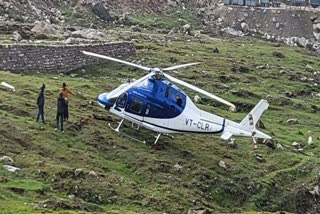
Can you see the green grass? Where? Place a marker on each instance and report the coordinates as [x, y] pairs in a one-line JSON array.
[[136, 178]]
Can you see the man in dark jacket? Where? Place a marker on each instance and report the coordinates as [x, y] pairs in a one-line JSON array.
[[60, 111], [40, 103]]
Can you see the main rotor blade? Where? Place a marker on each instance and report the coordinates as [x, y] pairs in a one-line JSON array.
[[180, 82], [117, 93], [180, 66], [116, 60]]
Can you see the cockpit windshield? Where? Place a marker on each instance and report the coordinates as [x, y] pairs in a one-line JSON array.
[[147, 85]]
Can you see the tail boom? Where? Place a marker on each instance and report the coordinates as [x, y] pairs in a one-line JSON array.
[[247, 127]]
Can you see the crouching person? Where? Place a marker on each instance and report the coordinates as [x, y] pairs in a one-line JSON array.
[[61, 103]]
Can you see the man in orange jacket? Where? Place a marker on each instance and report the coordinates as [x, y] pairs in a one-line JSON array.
[[65, 92]]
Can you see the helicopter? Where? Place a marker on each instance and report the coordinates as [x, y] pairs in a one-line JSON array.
[[155, 103]]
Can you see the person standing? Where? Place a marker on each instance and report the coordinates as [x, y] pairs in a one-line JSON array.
[[40, 103], [60, 111], [66, 91]]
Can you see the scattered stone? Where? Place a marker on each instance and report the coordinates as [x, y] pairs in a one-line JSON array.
[[222, 164], [279, 146], [244, 27], [178, 167], [296, 145], [93, 174], [16, 36], [11, 168], [89, 34], [232, 143], [6, 160], [135, 28], [197, 98], [315, 191], [232, 32], [313, 18], [260, 158], [269, 143], [77, 172], [187, 29], [309, 68], [215, 50], [292, 121], [71, 197], [278, 54]]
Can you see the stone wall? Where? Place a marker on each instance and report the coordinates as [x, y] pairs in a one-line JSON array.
[[57, 58]]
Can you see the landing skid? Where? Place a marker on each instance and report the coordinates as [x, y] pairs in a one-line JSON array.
[[117, 129]]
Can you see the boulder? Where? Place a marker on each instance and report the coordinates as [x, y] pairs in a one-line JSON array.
[[89, 34], [135, 28], [186, 29], [244, 27], [313, 18], [78, 172], [6, 160], [93, 174], [101, 11], [177, 167], [232, 32], [43, 30]]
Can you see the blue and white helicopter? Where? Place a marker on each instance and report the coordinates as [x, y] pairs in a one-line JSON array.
[[155, 103]]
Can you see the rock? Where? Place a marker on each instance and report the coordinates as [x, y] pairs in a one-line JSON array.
[[313, 18], [16, 36], [292, 121], [215, 50], [296, 145], [244, 27], [77, 172], [279, 146], [197, 98], [315, 191], [135, 28], [232, 143], [101, 11], [11, 168], [269, 143], [45, 30], [302, 42], [177, 167], [260, 158], [278, 54], [6, 160], [89, 34], [232, 32], [93, 174], [71, 197], [187, 29], [222, 164], [309, 68], [277, 25], [198, 211]]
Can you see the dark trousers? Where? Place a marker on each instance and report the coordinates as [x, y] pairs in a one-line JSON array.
[[40, 113], [66, 111], [59, 117]]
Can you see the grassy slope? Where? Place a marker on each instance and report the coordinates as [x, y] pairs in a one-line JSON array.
[[133, 177]]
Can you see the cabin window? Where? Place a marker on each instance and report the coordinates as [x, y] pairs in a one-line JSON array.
[[136, 106], [121, 102]]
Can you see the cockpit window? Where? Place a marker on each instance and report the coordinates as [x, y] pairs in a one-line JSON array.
[[121, 102], [136, 106]]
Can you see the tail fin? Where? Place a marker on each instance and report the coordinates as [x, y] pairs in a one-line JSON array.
[[250, 121]]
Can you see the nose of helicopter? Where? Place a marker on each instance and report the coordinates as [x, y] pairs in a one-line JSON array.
[[103, 100]]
